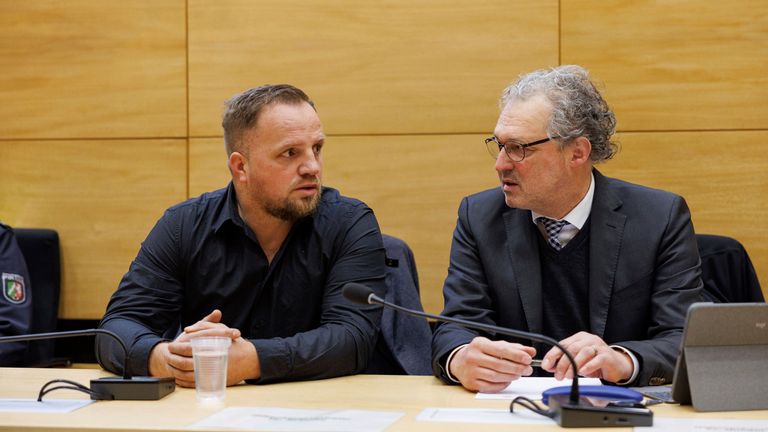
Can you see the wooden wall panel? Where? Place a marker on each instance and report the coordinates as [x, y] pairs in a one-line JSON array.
[[674, 64], [82, 68], [722, 175], [433, 66], [101, 196], [207, 165], [413, 183], [406, 91]]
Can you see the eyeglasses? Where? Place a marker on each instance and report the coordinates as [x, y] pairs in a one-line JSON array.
[[514, 150]]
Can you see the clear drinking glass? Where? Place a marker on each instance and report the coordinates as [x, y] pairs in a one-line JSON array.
[[210, 356]]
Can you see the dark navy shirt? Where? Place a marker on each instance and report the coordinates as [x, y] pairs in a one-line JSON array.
[[201, 256], [15, 301]]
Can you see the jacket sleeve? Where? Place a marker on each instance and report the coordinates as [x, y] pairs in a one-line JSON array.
[[465, 293], [676, 285]]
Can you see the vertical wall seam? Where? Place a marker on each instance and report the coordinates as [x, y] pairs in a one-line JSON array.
[[186, 87]]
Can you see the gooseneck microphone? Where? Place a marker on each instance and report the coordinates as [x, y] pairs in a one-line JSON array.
[[70, 333], [361, 294], [110, 388], [570, 413]]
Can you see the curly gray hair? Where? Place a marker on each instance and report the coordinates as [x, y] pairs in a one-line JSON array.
[[578, 107]]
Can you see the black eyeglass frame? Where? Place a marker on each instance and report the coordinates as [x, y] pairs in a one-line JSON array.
[[520, 146]]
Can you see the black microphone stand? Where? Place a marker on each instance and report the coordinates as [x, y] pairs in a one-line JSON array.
[[573, 396], [569, 413], [111, 388]]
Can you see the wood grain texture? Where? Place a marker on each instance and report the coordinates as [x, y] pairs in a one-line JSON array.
[[407, 395], [413, 184], [101, 196], [207, 165], [674, 64], [406, 90], [85, 68], [395, 66], [722, 175]]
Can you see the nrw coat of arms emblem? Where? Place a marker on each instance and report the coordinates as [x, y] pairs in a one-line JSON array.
[[14, 289]]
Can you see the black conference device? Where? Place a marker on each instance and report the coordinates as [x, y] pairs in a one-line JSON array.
[[107, 388], [568, 410]]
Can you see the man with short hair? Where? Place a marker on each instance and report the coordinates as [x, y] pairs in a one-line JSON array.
[[606, 267], [262, 261], [15, 300]]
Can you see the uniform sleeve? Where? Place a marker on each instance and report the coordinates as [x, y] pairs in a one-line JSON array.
[[147, 304], [15, 300], [347, 334]]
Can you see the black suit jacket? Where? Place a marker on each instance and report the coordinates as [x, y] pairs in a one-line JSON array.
[[644, 272]]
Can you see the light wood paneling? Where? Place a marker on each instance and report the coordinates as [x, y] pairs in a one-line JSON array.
[[207, 165], [722, 175], [674, 65], [372, 67], [101, 196], [83, 68], [413, 183], [382, 73]]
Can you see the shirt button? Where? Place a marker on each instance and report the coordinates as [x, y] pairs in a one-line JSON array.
[[657, 381]]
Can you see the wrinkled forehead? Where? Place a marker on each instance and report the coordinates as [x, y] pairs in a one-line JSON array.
[[522, 117]]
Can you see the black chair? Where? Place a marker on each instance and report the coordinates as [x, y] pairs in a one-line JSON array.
[[40, 248], [404, 345], [727, 271]]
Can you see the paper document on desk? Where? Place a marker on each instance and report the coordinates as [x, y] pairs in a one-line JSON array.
[[45, 406], [284, 419], [474, 415], [695, 424], [532, 387]]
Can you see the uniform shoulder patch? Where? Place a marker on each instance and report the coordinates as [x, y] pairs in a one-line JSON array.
[[14, 289]]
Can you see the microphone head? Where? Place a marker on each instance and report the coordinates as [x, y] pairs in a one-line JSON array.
[[357, 293]]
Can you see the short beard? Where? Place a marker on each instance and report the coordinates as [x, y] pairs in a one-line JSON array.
[[291, 211]]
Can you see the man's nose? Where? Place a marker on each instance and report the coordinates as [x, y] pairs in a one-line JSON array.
[[503, 162], [311, 166]]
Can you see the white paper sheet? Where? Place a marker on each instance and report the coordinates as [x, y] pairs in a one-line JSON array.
[[284, 419], [706, 425], [46, 406], [472, 415], [532, 387]]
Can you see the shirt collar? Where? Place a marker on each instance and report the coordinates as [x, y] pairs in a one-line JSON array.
[[579, 215], [228, 210]]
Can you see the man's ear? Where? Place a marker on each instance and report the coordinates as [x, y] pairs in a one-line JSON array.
[[581, 148], [238, 166]]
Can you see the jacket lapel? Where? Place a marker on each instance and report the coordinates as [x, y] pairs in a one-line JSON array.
[[523, 250], [606, 234]]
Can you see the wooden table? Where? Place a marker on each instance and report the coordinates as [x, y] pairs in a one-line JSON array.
[[175, 412]]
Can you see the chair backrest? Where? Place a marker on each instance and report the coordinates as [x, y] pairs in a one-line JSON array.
[[727, 271], [40, 248], [404, 345]]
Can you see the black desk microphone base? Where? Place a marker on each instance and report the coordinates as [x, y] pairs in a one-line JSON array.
[[585, 414], [136, 388]]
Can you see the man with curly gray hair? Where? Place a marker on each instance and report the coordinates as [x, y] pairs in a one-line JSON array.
[[606, 267]]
